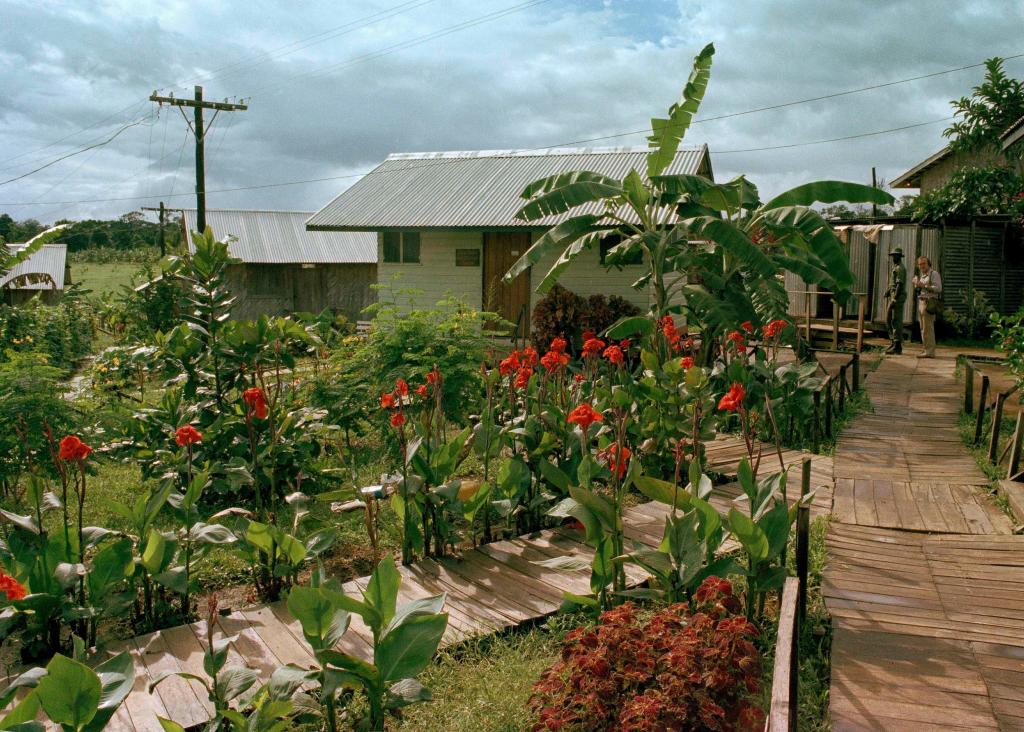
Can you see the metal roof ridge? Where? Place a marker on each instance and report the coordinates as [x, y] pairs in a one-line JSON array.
[[533, 153], [245, 210]]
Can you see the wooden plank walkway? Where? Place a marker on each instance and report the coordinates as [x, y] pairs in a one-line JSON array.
[[490, 588], [924, 580]]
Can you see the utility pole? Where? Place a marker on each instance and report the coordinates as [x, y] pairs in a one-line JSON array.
[[163, 243], [874, 184], [199, 132]]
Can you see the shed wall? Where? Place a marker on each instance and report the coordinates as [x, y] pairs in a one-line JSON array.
[[279, 289]]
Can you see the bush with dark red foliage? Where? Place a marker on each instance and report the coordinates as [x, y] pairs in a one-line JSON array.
[[678, 671], [562, 313]]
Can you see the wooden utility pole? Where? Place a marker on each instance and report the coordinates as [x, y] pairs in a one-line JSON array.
[[199, 132], [874, 184], [163, 242]]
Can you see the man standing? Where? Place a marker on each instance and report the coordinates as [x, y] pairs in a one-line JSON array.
[[929, 292], [896, 294]]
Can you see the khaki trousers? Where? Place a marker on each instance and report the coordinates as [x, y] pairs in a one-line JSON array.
[[927, 322]]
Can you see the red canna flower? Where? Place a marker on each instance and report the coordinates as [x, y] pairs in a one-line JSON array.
[[509, 365], [421, 391], [747, 326], [584, 415], [558, 345], [530, 357], [72, 449], [579, 378], [614, 355], [187, 435], [616, 466], [625, 343], [387, 401], [732, 399], [554, 360], [11, 588], [401, 388], [397, 419], [592, 347], [686, 362], [523, 377], [256, 401], [774, 328], [736, 338]]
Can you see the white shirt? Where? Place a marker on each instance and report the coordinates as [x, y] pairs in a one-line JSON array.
[[929, 285]]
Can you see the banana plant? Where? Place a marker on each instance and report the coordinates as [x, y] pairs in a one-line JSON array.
[[71, 695], [694, 535], [712, 250], [10, 259], [405, 639]]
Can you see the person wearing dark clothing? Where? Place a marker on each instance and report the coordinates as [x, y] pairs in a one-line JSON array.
[[896, 297]]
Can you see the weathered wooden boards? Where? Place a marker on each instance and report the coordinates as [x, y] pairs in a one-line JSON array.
[[924, 581]]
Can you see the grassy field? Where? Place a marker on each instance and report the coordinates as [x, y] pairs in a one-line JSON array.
[[102, 278]]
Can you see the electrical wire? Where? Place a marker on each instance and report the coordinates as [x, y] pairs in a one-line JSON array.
[[444, 161]]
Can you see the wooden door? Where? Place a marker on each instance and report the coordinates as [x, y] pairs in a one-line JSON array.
[[509, 300]]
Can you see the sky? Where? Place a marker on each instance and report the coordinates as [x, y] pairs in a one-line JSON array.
[[334, 87]]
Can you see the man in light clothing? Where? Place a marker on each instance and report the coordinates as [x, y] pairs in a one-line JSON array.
[[928, 285]]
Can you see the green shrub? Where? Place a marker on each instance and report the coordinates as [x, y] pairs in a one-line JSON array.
[[61, 332]]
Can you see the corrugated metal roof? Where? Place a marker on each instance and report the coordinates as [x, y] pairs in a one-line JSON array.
[[280, 237], [912, 178], [476, 189], [49, 259]]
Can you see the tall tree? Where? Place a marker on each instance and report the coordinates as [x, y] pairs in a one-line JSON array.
[[993, 106]]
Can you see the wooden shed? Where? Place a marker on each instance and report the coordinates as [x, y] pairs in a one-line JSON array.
[[285, 268]]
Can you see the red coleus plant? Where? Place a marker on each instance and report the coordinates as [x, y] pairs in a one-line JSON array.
[[256, 402], [677, 671]]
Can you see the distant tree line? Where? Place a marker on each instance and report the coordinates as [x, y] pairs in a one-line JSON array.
[[128, 233]]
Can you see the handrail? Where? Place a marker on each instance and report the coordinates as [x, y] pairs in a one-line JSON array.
[[782, 715]]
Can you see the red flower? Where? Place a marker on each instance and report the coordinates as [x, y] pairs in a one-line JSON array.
[[625, 343], [733, 399], [73, 449], [11, 588], [387, 401], [686, 362], [530, 357], [397, 419], [434, 376], [614, 355], [774, 328], [736, 338], [421, 390], [584, 415], [523, 377], [592, 347], [614, 465], [747, 326], [401, 388], [558, 344], [579, 378], [187, 435], [509, 365], [257, 402], [554, 360]]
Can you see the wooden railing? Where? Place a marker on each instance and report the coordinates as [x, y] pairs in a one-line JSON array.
[[782, 715], [995, 407], [837, 315], [830, 398]]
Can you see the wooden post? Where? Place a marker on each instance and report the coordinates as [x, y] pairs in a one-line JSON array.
[[803, 537], [1015, 445], [968, 386], [981, 409], [163, 242], [856, 370], [997, 423], [835, 325], [807, 316], [782, 714], [816, 428], [861, 305], [829, 386], [842, 388]]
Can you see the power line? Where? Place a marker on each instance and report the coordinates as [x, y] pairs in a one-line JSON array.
[[76, 152], [444, 161]]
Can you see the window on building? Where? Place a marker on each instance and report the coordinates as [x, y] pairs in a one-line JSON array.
[[612, 240], [401, 247]]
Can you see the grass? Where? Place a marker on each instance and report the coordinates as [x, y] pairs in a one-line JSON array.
[[102, 278], [485, 684]]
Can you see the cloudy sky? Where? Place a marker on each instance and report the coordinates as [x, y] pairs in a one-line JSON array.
[[334, 87]]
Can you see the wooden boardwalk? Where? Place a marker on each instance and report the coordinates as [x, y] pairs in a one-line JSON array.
[[490, 588], [924, 580]]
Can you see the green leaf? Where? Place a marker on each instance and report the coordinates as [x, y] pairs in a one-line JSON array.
[[633, 325], [753, 539], [565, 191], [558, 237], [572, 251], [234, 681], [635, 190], [733, 240], [554, 475], [286, 680], [315, 610], [602, 568], [110, 566], [668, 133], [406, 692], [830, 191], [819, 236], [170, 725], [599, 505], [23, 713], [662, 491], [408, 648], [69, 693], [382, 591], [775, 524], [565, 563]]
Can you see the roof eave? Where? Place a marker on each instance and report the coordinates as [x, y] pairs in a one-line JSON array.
[[912, 178]]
